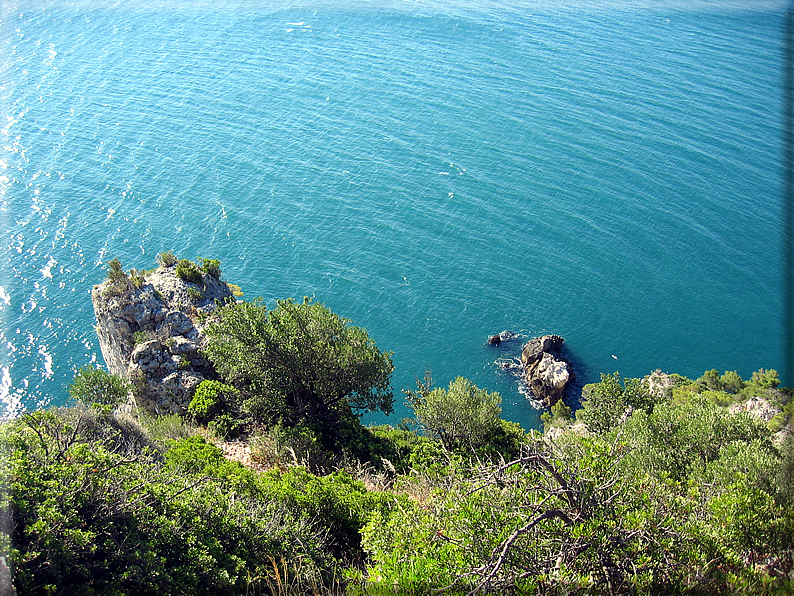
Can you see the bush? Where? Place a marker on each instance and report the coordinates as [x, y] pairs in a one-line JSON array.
[[604, 403], [92, 385], [225, 427], [209, 399], [397, 446], [194, 294], [187, 270], [166, 427], [166, 259], [298, 362], [115, 272], [338, 502], [211, 267], [91, 519], [284, 446], [137, 278], [559, 415], [462, 416]]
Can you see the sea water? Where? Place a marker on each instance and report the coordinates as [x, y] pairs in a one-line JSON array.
[[434, 171]]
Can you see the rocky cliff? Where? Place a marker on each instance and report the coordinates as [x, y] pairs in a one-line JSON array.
[[149, 330], [546, 372]]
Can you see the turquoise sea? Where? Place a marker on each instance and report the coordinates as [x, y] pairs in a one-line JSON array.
[[434, 171]]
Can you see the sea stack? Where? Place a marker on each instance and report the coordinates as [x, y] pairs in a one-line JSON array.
[[149, 331], [546, 372]]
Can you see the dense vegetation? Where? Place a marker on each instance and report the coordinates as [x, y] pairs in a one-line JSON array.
[[647, 489]]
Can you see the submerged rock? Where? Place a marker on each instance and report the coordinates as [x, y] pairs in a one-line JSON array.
[[150, 334], [546, 372]]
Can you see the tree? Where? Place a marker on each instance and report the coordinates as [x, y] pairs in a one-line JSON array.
[[92, 385], [604, 403], [461, 416], [298, 361]]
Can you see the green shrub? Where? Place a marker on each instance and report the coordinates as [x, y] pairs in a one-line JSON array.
[[166, 259], [731, 381], [284, 446], [559, 415], [209, 399], [120, 284], [115, 272], [166, 427], [92, 385], [396, 445], [338, 502], [137, 278], [462, 416], [91, 518], [211, 267], [765, 379], [187, 270], [225, 427], [297, 362], [604, 403], [140, 337], [194, 294]]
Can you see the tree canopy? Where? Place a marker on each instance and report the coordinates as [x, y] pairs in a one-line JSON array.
[[463, 415], [298, 361]]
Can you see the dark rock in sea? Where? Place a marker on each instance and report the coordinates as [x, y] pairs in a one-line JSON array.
[[546, 372], [494, 340]]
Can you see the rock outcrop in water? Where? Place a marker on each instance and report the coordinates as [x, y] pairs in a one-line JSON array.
[[150, 333], [546, 372]]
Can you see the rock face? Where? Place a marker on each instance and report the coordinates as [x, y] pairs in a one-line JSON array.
[[151, 334], [659, 383], [546, 372]]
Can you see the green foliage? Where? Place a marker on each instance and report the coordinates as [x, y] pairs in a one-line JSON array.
[[166, 427], [187, 270], [339, 502], [119, 284], [115, 271], [95, 510], [166, 259], [195, 294], [561, 411], [553, 520], [674, 495], [462, 417], [604, 403], [236, 290], [785, 478], [209, 399], [558, 416], [92, 385], [401, 448], [298, 362], [137, 278], [682, 439], [765, 379], [282, 446], [211, 267], [729, 382], [225, 427]]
